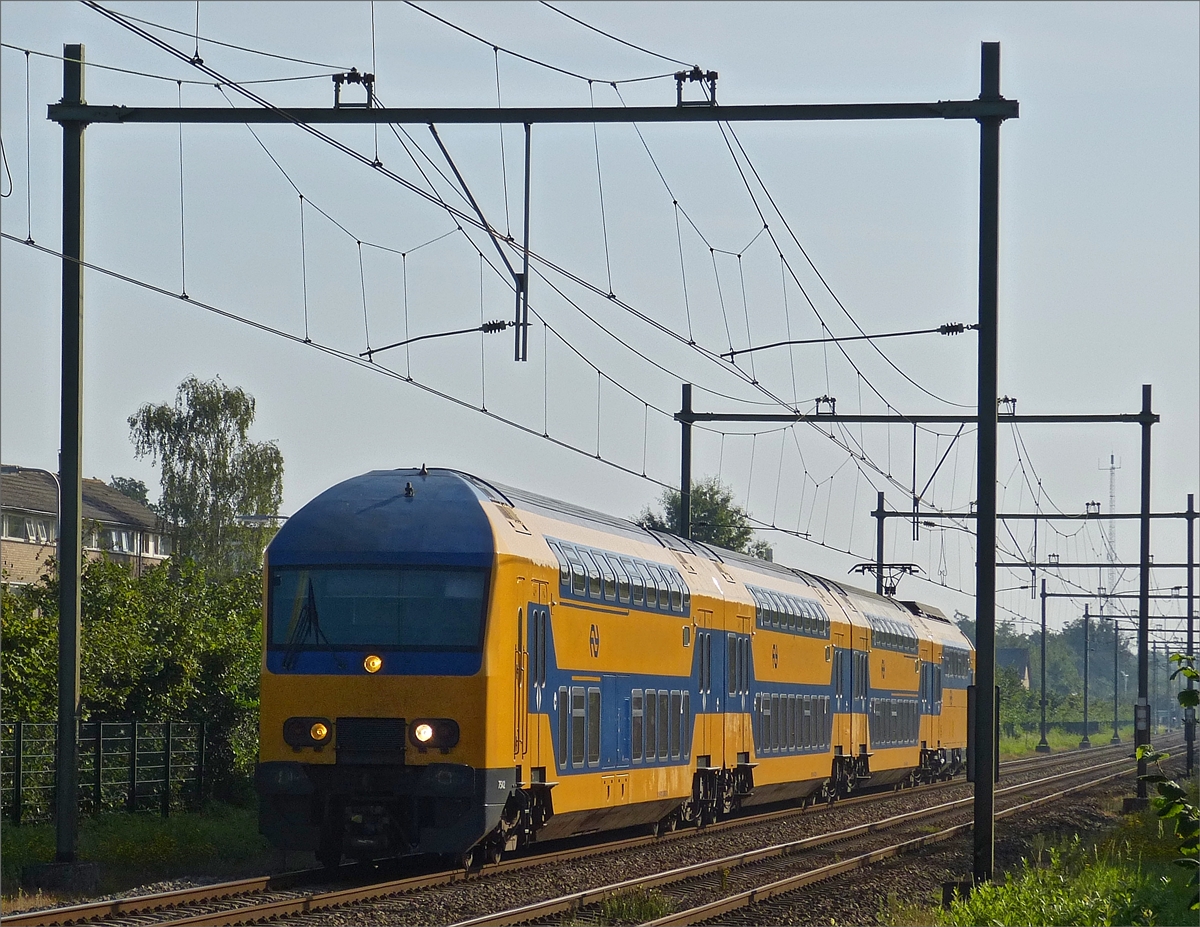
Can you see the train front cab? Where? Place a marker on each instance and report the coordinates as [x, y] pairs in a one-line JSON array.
[[374, 685]]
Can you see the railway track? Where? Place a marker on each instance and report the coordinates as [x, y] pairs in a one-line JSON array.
[[769, 870], [309, 891]]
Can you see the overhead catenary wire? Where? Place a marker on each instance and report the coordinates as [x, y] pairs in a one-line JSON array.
[[339, 354], [360, 243], [609, 35], [230, 45], [458, 214], [164, 77], [528, 59]]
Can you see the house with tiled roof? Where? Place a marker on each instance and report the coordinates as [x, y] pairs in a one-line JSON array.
[[113, 525]]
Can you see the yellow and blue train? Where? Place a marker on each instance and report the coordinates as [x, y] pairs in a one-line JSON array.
[[457, 667]]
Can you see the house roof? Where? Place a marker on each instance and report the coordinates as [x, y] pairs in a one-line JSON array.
[[34, 491]]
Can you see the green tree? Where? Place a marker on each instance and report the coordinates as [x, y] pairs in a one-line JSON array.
[[217, 484], [716, 518], [171, 643], [134, 489]]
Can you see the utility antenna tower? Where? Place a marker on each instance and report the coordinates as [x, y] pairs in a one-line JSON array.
[[1112, 469]]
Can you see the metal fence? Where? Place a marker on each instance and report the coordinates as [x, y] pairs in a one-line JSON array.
[[123, 766]]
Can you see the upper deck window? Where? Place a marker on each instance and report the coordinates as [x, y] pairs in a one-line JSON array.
[[397, 608]]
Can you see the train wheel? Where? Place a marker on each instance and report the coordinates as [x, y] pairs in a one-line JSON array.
[[329, 855], [665, 826]]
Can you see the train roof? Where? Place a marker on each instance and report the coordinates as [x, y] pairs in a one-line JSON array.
[[356, 521]]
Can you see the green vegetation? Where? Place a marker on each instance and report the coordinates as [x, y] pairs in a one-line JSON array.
[[1174, 803], [220, 491], [167, 644], [716, 518], [138, 848], [1020, 711], [1126, 879], [1024, 743], [635, 907]]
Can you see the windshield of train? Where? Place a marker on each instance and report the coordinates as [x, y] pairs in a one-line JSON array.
[[397, 608]]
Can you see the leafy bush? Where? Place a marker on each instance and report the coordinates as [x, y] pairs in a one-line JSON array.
[[167, 644], [1070, 884]]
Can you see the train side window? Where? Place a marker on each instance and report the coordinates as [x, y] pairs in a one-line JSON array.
[[564, 714], [578, 572], [685, 715], [756, 719], [593, 572], [677, 587], [664, 591], [636, 726], [543, 621], [732, 667], [676, 722], [664, 722], [636, 583], [795, 707], [651, 712], [708, 661], [593, 727], [776, 721], [609, 577], [651, 584], [564, 568], [623, 587], [578, 724]]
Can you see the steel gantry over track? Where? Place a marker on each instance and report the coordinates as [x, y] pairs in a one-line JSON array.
[[989, 110]]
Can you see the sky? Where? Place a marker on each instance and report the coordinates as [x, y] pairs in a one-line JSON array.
[[711, 238]]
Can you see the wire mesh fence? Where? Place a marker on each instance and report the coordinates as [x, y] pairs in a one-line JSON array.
[[123, 766]]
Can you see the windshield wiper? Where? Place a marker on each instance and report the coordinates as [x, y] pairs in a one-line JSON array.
[[307, 623]]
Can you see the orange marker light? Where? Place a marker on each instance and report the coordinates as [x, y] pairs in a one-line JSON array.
[[373, 664], [318, 732]]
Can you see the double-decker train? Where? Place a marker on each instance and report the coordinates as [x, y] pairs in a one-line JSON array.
[[457, 667]]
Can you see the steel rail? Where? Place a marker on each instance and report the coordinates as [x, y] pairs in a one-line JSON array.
[[137, 904], [714, 909], [576, 900]]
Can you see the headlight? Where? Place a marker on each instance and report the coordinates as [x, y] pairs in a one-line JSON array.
[[433, 732], [373, 663], [307, 732]]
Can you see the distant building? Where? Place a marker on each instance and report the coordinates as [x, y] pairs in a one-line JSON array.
[[126, 530], [1014, 658]]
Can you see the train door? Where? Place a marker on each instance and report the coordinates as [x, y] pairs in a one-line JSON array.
[[612, 734], [860, 685], [737, 684], [705, 692], [841, 693], [521, 684], [530, 681]]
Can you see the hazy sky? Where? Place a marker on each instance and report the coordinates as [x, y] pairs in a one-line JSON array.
[[1098, 275]]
